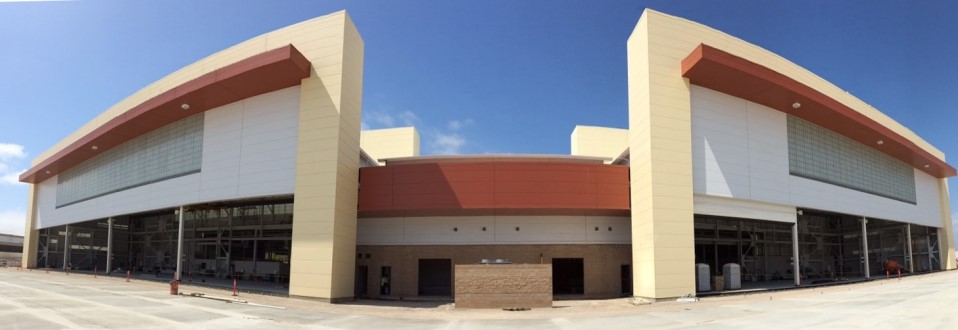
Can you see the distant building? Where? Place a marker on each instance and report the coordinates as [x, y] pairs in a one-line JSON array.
[[732, 154], [11, 249]]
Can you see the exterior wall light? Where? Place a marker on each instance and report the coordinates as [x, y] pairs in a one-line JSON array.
[[796, 105], [927, 166], [94, 148], [880, 142], [185, 106]]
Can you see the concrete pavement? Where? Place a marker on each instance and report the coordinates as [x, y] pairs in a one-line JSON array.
[[39, 300]]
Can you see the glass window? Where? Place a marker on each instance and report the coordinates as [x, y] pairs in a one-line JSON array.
[[820, 154], [168, 152]]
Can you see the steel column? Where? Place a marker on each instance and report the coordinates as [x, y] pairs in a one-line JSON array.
[[911, 257], [865, 247], [796, 268], [179, 245], [66, 247], [109, 245]]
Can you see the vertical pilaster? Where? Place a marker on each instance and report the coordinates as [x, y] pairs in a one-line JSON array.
[[660, 142], [30, 232], [946, 236], [327, 163]]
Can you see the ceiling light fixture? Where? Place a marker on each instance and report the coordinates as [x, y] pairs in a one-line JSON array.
[[927, 166], [185, 106], [880, 142], [796, 105], [94, 148]]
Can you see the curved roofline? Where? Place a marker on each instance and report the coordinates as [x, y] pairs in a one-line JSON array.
[[495, 158], [719, 70], [262, 73]]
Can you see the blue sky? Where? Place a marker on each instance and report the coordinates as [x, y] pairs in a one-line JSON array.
[[474, 77]]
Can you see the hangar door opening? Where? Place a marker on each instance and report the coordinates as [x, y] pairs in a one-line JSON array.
[[568, 276], [435, 277]]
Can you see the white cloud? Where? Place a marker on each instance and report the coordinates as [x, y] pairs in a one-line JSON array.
[[381, 119], [12, 177], [455, 124], [408, 118], [12, 222], [447, 144], [10, 155], [376, 119], [10, 151]]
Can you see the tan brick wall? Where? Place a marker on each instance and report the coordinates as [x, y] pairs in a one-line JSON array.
[[503, 286], [602, 263]]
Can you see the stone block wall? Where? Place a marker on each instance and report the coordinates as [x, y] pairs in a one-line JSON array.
[[503, 286]]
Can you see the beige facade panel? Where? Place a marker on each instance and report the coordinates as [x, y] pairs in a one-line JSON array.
[[660, 140], [387, 143], [327, 153], [324, 230], [30, 232], [659, 114], [946, 235], [597, 141]]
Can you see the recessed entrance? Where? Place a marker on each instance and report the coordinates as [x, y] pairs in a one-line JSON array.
[[435, 277], [626, 275], [362, 273], [385, 281], [568, 276]]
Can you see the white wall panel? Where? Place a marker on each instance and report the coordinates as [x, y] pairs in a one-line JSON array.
[[823, 196], [740, 208], [46, 200], [379, 230], [767, 154], [249, 150], [720, 164], [498, 230], [740, 169], [608, 229]]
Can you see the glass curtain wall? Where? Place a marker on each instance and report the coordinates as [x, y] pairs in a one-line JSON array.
[[886, 241], [830, 246], [925, 251], [246, 241], [249, 241], [763, 249]]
